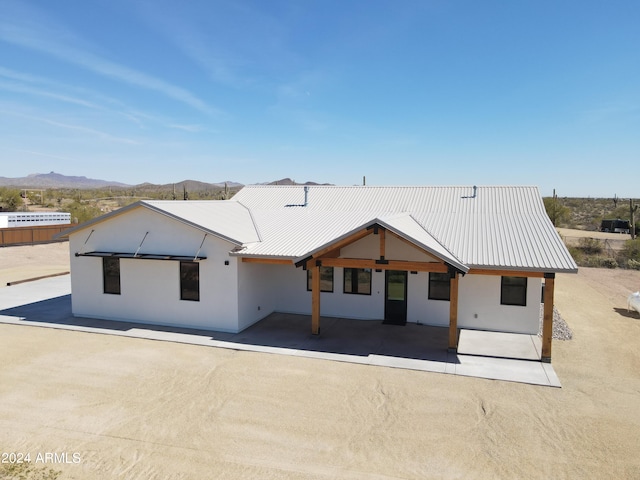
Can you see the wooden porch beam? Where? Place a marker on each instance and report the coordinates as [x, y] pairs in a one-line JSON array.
[[453, 313], [547, 316], [343, 243], [388, 265], [382, 242], [315, 300]]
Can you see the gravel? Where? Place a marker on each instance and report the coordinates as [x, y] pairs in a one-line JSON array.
[[561, 330]]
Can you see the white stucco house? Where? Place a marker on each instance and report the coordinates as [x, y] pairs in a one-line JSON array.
[[458, 257]]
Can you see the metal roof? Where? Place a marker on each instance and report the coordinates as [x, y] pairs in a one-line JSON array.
[[494, 227], [489, 227], [226, 219], [298, 233]]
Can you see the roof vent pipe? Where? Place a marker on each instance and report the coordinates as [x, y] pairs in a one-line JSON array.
[[475, 191], [306, 195]]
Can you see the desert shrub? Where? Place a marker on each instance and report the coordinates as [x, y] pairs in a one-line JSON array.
[[10, 199], [124, 201], [27, 471], [599, 261], [633, 264], [576, 253], [81, 213], [631, 249], [557, 213], [590, 246]]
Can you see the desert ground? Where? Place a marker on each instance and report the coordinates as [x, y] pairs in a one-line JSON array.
[[141, 409]]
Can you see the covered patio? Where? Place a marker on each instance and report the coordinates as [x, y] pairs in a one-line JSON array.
[[46, 303], [435, 259]]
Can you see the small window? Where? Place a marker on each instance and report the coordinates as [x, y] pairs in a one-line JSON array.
[[514, 291], [326, 279], [190, 281], [439, 286], [357, 281], [111, 275]]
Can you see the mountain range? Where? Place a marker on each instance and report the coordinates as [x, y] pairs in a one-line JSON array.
[[57, 180]]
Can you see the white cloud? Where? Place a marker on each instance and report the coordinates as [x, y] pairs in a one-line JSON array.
[[29, 28], [13, 87], [70, 126]]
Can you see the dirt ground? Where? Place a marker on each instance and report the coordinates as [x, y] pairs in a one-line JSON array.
[[613, 241], [29, 261], [141, 409]]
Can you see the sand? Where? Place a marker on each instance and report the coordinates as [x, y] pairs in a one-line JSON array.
[[19, 263], [141, 409]]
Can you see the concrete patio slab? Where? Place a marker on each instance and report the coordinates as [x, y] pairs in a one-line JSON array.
[[47, 303], [499, 344]]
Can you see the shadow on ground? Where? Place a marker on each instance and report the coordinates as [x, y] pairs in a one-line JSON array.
[[627, 313], [280, 330]]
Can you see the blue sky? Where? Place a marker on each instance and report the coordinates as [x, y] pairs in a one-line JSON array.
[[403, 92]]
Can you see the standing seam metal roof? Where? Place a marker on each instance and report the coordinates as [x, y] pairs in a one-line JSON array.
[[502, 227], [494, 227]]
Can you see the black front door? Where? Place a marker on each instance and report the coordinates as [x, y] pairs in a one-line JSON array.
[[395, 305]]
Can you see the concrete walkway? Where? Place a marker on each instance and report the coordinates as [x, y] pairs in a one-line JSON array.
[[491, 355]]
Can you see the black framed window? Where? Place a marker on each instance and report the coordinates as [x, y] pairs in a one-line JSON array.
[[326, 279], [190, 281], [357, 281], [439, 286], [513, 291], [111, 275]]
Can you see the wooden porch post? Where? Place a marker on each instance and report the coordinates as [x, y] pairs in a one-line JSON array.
[[315, 299], [453, 313], [547, 317]]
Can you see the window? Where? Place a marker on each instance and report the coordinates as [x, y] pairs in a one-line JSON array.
[[357, 280], [190, 281], [326, 279], [111, 275], [514, 291], [439, 286]]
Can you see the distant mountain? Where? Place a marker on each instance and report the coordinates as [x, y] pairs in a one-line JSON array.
[[190, 186], [288, 181], [56, 180]]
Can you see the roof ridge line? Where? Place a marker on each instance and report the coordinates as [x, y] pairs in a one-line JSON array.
[[253, 220]]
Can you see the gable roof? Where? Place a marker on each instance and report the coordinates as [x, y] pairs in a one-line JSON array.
[[227, 220], [492, 227], [489, 227]]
